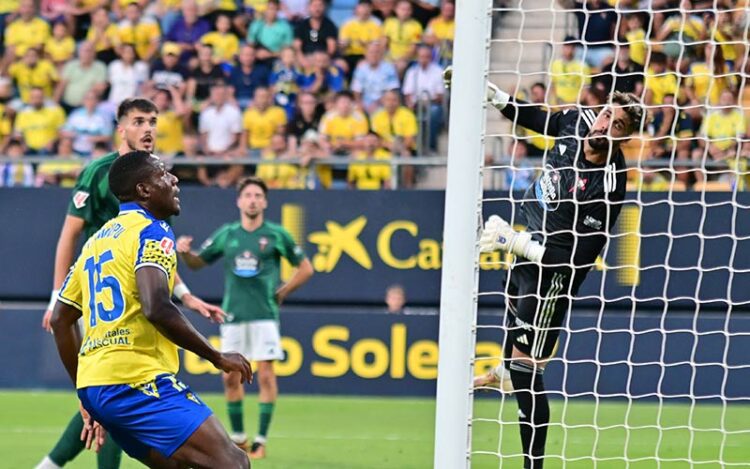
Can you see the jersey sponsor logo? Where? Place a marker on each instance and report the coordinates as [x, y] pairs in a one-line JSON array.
[[580, 185], [166, 245], [547, 189], [592, 222], [79, 199], [262, 243], [246, 265]]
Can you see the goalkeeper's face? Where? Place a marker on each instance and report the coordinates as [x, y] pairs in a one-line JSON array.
[[611, 127]]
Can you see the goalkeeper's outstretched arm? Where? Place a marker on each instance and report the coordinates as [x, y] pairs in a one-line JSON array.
[[525, 114]]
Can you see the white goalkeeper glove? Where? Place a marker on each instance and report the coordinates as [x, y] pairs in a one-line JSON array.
[[495, 96], [498, 235]]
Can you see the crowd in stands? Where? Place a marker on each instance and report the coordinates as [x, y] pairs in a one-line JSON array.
[[269, 79], [688, 62]]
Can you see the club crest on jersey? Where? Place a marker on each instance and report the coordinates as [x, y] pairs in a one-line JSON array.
[[79, 199], [166, 245], [580, 185], [547, 189], [246, 265], [262, 243]]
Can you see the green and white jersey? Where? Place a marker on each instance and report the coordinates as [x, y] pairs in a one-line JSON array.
[[252, 265], [92, 200]]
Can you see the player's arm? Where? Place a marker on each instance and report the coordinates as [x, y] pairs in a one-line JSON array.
[[156, 302], [526, 115], [66, 246], [301, 275], [64, 324]]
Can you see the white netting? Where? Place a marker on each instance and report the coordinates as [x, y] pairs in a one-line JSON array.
[[652, 367]]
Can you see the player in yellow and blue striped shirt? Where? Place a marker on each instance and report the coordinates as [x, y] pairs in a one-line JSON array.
[[125, 367]]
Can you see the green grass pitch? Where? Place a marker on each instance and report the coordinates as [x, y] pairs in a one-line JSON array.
[[353, 433]]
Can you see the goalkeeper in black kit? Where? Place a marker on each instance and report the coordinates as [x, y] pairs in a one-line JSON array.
[[568, 212]]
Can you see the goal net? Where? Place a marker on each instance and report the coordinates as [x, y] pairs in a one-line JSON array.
[[652, 367]]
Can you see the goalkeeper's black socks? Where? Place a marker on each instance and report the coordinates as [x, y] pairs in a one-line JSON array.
[[533, 411]]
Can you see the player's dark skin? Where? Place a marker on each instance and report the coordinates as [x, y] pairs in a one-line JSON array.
[[209, 446]]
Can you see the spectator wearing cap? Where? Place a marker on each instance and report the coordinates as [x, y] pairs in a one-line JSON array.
[[143, 33], [324, 77], [260, 122], [441, 31], [203, 77], [88, 125], [31, 72], [371, 168], [168, 72], [187, 31], [597, 23], [79, 76], [357, 33], [16, 173], [342, 129], [127, 75], [28, 30], [403, 33], [104, 35], [423, 87], [38, 124], [316, 33], [247, 76], [568, 75], [170, 125], [220, 124], [61, 47], [223, 42], [373, 77], [269, 33], [306, 118]]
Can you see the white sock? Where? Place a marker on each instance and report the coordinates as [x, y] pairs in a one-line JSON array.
[[47, 463], [238, 437], [260, 439]]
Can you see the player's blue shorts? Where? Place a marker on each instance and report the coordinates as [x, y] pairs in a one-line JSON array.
[[161, 414]]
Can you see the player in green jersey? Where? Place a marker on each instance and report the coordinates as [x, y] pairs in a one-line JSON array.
[[92, 205], [252, 249]]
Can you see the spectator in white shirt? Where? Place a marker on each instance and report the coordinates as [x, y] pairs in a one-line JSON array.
[[126, 75], [220, 126], [88, 125], [373, 77], [423, 86]]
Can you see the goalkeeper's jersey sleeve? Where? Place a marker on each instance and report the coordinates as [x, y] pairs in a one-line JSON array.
[[120, 346], [252, 267]]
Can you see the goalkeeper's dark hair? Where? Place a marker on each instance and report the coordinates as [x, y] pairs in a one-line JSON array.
[[128, 171], [252, 181], [138, 104], [632, 107]]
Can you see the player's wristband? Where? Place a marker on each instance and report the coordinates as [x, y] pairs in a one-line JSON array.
[[180, 291], [497, 97], [53, 299]]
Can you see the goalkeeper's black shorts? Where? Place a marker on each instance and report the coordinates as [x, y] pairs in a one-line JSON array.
[[537, 300]]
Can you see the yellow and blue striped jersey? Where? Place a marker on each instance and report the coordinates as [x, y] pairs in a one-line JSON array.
[[120, 346]]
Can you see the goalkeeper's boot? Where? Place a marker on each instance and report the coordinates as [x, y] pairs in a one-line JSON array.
[[257, 450], [497, 378]]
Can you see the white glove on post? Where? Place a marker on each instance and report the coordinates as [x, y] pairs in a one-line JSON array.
[[495, 96], [498, 235]]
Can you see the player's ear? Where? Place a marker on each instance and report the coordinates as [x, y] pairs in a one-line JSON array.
[[142, 190]]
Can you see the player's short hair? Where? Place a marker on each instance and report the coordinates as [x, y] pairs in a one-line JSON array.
[[138, 104], [127, 171], [632, 107], [252, 181], [658, 58], [539, 84]]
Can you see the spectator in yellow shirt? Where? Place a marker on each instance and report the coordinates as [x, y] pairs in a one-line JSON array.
[[342, 129], [709, 77], [38, 125], [224, 44], [396, 125], [441, 32], [357, 33], [636, 37], [659, 81], [724, 131], [62, 171], [680, 35], [170, 125], [60, 47], [260, 122], [403, 33], [279, 175], [32, 72], [27, 31], [371, 169], [104, 35], [143, 33], [569, 75]]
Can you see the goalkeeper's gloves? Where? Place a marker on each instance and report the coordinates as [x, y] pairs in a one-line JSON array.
[[495, 96], [498, 235]]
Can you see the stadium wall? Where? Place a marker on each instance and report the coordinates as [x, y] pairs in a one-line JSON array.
[[647, 356], [360, 242]]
